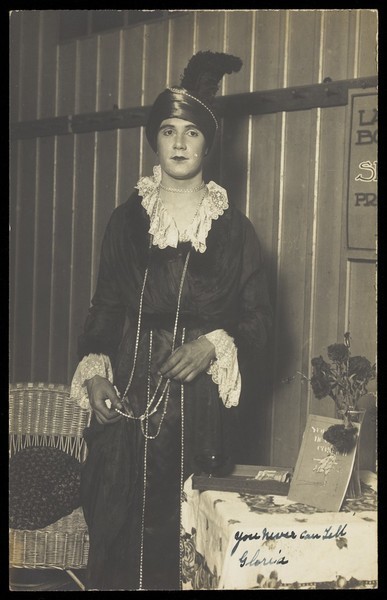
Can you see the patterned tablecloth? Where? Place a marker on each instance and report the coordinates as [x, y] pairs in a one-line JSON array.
[[245, 541]]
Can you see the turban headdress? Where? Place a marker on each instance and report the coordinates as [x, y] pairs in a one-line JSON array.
[[193, 99]]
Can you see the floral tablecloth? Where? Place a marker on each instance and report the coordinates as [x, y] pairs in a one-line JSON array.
[[246, 541]]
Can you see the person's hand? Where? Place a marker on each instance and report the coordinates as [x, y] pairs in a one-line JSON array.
[[99, 390], [187, 361]]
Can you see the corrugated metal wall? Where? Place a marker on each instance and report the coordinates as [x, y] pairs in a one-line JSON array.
[[286, 171]]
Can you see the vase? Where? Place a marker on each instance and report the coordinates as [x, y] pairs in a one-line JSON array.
[[354, 486]]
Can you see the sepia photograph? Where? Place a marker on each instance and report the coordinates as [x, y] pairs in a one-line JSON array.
[[193, 299]]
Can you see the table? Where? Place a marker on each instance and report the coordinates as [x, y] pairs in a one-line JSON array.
[[245, 541]]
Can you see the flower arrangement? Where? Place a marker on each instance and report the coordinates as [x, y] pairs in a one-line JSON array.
[[344, 379]]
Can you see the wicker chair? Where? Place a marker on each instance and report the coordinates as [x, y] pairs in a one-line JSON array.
[[43, 414]]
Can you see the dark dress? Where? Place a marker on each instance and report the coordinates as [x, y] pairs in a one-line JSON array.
[[224, 288]]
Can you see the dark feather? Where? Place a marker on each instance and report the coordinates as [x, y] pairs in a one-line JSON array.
[[204, 71]]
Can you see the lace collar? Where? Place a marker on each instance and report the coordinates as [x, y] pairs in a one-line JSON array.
[[162, 225]]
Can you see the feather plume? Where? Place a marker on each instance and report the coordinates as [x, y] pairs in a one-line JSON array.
[[204, 71]]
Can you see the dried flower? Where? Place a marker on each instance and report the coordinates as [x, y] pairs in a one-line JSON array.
[[344, 379], [320, 385], [338, 353], [320, 365], [341, 437], [361, 368]]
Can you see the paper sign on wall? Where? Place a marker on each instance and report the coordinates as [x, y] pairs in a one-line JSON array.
[[363, 171]]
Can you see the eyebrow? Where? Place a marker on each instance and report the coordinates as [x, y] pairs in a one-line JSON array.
[[170, 126]]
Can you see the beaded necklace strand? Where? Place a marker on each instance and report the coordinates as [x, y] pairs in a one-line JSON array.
[[183, 190], [148, 437], [165, 392], [148, 412]]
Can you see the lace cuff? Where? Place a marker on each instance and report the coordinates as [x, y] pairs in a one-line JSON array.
[[225, 370], [90, 365]]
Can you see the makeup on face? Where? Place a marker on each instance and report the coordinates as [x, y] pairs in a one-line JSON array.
[[181, 148]]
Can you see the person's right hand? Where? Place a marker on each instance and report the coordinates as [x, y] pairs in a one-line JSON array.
[[99, 390]]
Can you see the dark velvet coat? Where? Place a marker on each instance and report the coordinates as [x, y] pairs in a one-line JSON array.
[[224, 288]]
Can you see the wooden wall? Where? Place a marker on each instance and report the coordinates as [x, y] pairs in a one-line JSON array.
[[287, 171]]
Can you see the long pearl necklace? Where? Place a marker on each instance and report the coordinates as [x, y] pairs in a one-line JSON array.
[[181, 545], [165, 392], [148, 412]]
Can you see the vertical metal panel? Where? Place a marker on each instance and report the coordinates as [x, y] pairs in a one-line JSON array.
[[62, 238], [368, 43], [239, 42], [81, 249], [265, 165], [106, 143], [155, 77], [131, 70], [118, 188], [105, 189], [15, 73], [66, 79], [266, 135], [42, 260], [270, 53], [13, 236], [30, 38], [234, 157], [362, 308], [72, 256], [182, 46], [156, 35], [60, 297], [86, 84], [235, 131], [354, 41], [109, 71], [108, 97], [336, 43], [128, 163], [82, 241], [24, 267], [210, 30], [361, 323], [49, 24], [15, 190], [303, 50], [132, 49]]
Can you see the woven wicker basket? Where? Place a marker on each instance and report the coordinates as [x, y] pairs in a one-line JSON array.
[[43, 414]]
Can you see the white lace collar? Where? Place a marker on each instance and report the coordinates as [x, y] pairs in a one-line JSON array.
[[162, 225]]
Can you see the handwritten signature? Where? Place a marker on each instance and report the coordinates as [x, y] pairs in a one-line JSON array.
[[266, 535], [256, 560]]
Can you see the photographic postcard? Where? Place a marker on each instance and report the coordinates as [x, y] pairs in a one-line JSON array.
[[321, 475]]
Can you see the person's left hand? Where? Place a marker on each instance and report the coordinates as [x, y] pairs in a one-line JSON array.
[[187, 361]]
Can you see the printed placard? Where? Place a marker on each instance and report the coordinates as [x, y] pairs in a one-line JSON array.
[[363, 171]]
